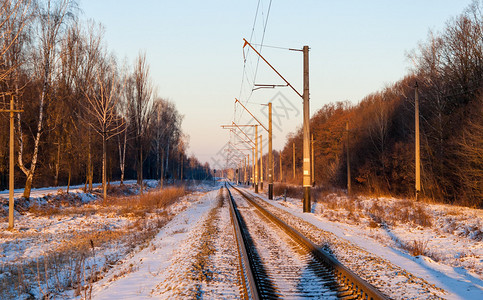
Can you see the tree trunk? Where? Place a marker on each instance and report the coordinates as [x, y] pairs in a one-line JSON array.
[[167, 160], [162, 171], [28, 185], [181, 177], [57, 165], [104, 185], [122, 154], [140, 175], [68, 181], [109, 172], [89, 164], [158, 162]]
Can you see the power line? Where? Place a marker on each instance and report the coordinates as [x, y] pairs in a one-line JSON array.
[[250, 71], [255, 20], [261, 45], [251, 36]]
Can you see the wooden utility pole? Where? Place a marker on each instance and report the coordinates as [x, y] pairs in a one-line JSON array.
[[245, 173], [306, 133], [293, 159], [270, 154], [256, 159], [312, 173], [11, 181], [348, 161], [417, 158], [261, 164], [253, 167], [281, 171]]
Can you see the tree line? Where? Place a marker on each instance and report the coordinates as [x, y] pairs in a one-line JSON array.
[[87, 117], [448, 68]]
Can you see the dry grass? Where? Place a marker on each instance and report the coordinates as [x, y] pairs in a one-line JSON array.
[[73, 264], [158, 199], [377, 215], [417, 247], [407, 211]]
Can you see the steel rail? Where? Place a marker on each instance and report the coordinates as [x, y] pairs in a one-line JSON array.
[[353, 286], [250, 287]]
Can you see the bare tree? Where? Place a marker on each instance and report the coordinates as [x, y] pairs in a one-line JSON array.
[[140, 104], [91, 58], [14, 16], [122, 141], [470, 150], [51, 20], [167, 130], [102, 97]]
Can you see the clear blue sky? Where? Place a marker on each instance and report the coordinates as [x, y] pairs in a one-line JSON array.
[[194, 49]]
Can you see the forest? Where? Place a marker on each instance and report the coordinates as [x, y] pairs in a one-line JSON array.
[[87, 116], [448, 69]]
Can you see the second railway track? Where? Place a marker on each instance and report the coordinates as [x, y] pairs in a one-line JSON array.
[[278, 262]]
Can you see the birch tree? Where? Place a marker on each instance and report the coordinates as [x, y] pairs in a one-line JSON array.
[[50, 22]]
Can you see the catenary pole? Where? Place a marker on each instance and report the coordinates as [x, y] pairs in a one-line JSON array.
[[261, 164], [306, 134], [270, 154], [256, 159], [306, 115]]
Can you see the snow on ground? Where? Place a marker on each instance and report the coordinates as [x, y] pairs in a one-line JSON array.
[[449, 241], [105, 256], [188, 258], [75, 189], [62, 243]]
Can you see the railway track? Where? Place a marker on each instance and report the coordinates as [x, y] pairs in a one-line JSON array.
[[278, 262]]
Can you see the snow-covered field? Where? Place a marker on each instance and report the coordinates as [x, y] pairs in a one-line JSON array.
[[63, 243], [441, 244], [82, 248]]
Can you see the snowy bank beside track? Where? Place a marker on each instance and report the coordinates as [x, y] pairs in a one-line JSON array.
[[62, 243], [383, 240]]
